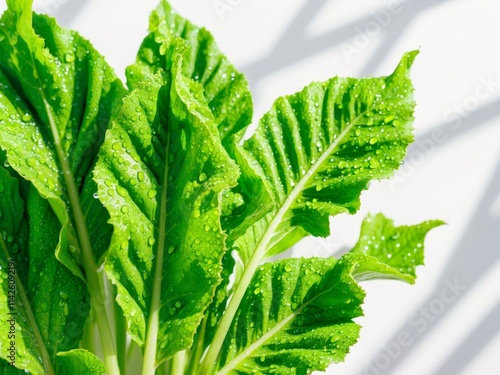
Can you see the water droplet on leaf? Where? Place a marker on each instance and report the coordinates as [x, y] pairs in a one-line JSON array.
[[69, 57]]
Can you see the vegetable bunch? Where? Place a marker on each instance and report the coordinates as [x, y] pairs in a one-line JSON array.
[[142, 211]]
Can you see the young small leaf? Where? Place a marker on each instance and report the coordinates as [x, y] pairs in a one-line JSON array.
[[399, 247]]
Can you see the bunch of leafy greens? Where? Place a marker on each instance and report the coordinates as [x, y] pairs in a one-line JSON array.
[[130, 209]]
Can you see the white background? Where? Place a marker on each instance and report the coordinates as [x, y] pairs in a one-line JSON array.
[[284, 45]]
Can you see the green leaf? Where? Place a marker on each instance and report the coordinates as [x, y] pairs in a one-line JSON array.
[[318, 149], [56, 98], [297, 315], [399, 247], [227, 93], [19, 345], [160, 174], [61, 309], [230, 101], [79, 361], [51, 304], [57, 95], [225, 89]]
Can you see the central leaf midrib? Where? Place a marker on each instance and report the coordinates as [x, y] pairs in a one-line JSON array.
[[153, 325]]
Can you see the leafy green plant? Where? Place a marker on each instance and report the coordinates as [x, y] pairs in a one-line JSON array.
[[142, 210]]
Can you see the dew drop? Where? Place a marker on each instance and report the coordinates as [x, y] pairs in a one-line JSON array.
[[27, 117], [66, 309], [69, 57], [374, 163], [31, 162], [121, 191]]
